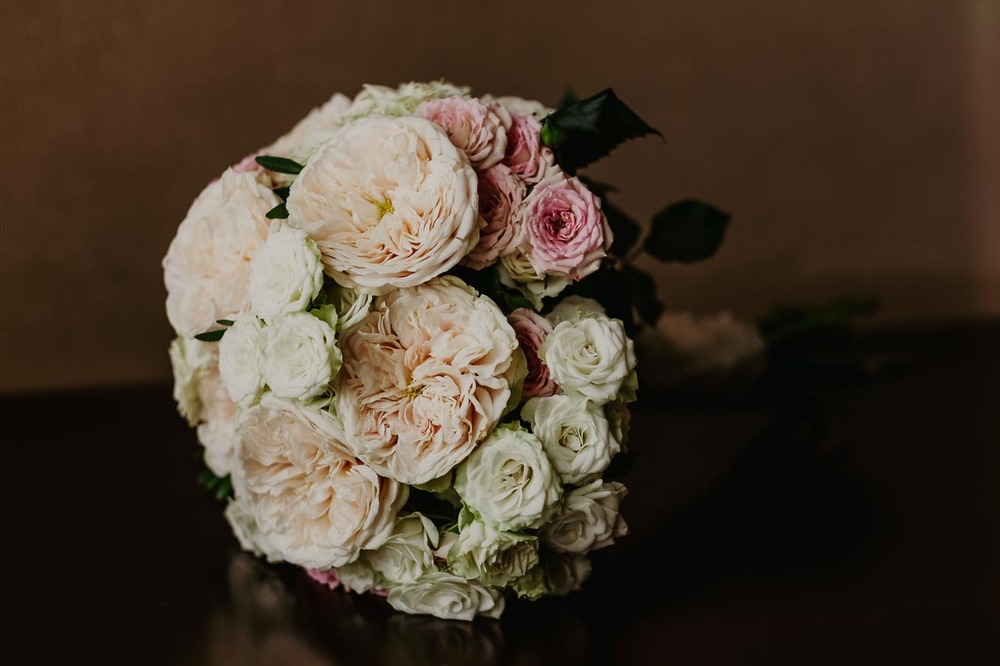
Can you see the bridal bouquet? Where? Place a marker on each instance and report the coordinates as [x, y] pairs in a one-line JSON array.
[[404, 333]]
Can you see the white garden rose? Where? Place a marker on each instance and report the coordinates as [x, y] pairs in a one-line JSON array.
[[574, 307], [515, 270], [301, 356], [312, 501], [241, 361], [207, 265], [566, 572], [426, 376], [591, 357], [389, 201], [448, 597], [402, 100], [589, 519], [408, 553], [491, 556], [247, 534], [285, 275], [575, 434], [508, 481], [299, 142]]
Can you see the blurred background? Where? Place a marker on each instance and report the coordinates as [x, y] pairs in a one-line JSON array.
[[856, 144]]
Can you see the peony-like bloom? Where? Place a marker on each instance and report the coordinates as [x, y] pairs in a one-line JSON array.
[[489, 555], [312, 501], [591, 357], [589, 519], [515, 270], [476, 128], [408, 553], [241, 359], [389, 201], [501, 194], [207, 265], [525, 154], [300, 356], [448, 597], [575, 434], [248, 534], [565, 232], [508, 481], [426, 376], [285, 275], [532, 329], [574, 307]]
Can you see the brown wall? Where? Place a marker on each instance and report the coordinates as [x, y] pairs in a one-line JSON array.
[[857, 143]]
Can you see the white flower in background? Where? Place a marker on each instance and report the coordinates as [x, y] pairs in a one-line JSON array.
[[589, 519], [574, 307], [426, 376], [491, 556], [566, 572], [508, 481], [301, 356], [241, 361], [590, 357], [309, 132], [402, 100], [207, 265], [189, 360], [312, 501], [285, 274], [389, 201], [478, 129], [575, 434], [619, 420], [408, 553], [700, 354], [447, 596], [515, 270], [247, 534]]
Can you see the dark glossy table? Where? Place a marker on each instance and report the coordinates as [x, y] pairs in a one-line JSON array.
[[866, 532]]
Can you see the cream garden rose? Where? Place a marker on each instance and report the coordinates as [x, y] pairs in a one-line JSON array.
[[589, 519], [447, 596], [426, 376], [286, 274], [311, 500], [389, 201], [575, 435], [206, 267], [301, 356], [508, 481]]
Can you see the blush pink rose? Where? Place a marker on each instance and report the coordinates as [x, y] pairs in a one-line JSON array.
[[248, 163], [326, 577], [564, 231], [531, 330], [501, 194], [477, 129], [525, 154]]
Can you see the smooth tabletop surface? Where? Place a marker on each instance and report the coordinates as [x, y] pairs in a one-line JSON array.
[[864, 532]]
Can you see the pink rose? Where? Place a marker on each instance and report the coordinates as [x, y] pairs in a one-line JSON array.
[[501, 194], [326, 577], [525, 154], [565, 232], [531, 330], [477, 129]]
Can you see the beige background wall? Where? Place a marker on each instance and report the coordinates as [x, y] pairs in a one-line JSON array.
[[856, 143]]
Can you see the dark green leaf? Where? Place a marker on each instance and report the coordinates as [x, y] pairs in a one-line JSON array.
[[513, 300], [647, 305], [687, 231], [569, 97], [211, 336], [624, 229], [589, 129], [279, 164], [282, 192], [279, 212], [225, 322]]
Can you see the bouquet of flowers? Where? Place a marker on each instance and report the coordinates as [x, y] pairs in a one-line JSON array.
[[404, 333]]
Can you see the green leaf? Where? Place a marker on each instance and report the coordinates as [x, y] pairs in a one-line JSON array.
[[589, 129], [225, 322], [279, 212], [279, 164], [625, 230], [569, 97], [647, 305], [282, 192], [687, 231], [211, 336]]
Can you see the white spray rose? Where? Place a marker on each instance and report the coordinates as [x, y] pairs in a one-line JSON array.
[[207, 264], [285, 275], [447, 596], [314, 503], [241, 360], [389, 201], [516, 271], [575, 434], [589, 519], [301, 356], [408, 553], [590, 357], [574, 307], [508, 481], [491, 556]]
